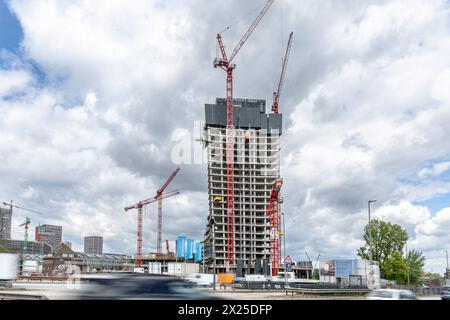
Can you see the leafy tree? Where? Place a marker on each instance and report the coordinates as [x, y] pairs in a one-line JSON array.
[[395, 268], [414, 263], [316, 274], [387, 239]]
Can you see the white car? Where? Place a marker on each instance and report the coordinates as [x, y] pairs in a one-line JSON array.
[[391, 294]]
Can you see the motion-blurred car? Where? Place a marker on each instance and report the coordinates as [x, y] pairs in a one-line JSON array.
[[391, 294], [139, 286], [445, 293]]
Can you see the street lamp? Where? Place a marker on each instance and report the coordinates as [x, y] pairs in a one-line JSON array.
[[284, 245], [447, 271], [284, 234], [446, 254], [213, 227], [370, 242]]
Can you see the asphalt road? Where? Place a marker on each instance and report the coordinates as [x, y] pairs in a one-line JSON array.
[[63, 291]]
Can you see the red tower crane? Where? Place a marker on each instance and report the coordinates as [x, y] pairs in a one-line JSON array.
[[159, 197], [167, 246], [276, 94], [228, 67], [139, 205], [273, 211]]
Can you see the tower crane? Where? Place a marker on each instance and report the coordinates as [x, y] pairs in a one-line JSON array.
[[276, 94], [139, 205], [25, 242], [226, 64], [159, 197], [24, 224], [273, 211], [167, 247]]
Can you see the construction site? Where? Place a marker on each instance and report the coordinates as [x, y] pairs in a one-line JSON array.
[[242, 237]]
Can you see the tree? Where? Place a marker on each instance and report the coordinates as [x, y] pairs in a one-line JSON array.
[[414, 263], [316, 274], [387, 239], [395, 268]]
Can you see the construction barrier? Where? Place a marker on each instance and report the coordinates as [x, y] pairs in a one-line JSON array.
[[226, 278]]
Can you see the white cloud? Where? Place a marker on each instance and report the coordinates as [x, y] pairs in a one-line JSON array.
[[13, 80], [435, 170]]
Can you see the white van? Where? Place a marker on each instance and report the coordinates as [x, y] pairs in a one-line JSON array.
[[201, 279]]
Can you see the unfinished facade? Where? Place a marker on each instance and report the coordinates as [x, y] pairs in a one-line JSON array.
[[256, 166]]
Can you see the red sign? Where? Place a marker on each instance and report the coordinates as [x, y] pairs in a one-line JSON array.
[[288, 260]]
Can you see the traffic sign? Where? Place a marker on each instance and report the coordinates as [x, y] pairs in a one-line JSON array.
[[288, 262]]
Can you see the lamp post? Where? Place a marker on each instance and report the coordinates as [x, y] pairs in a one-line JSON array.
[[370, 243], [214, 251], [447, 271], [284, 249], [284, 234], [407, 262], [446, 254]]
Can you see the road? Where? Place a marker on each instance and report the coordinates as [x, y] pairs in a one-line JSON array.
[[55, 291], [267, 295]]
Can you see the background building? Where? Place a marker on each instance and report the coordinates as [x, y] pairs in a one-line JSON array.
[[49, 234], [68, 244], [93, 244], [256, 166], [5, 223], [33, 248]]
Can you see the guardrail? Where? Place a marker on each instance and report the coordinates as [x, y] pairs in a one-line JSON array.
[[21, 296], [281, 285], [321, 292], [41, 278]]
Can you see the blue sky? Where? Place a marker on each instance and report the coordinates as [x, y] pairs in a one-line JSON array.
[[11, 32], [435, 204]]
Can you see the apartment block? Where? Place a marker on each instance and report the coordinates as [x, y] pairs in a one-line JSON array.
[[5, 223], [93, 244], [49, 234]]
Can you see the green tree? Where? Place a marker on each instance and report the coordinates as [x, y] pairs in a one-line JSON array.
[[395, 268], [387, 238], [316, 274], [414, 262]]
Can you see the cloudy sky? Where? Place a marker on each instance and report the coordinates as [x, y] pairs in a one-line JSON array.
[[94, 95]]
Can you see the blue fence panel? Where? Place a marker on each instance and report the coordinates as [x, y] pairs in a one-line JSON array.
[[181, 252], [198, 252], [190, 249]]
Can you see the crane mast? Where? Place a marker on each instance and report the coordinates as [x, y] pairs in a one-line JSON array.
[[159, 198], [273, 211], [225, 64]]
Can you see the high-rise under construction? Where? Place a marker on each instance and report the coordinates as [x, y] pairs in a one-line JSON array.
[[256, 166]]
